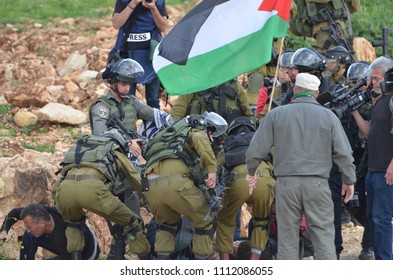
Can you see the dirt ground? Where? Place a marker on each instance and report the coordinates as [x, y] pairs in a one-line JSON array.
[[352, 238]]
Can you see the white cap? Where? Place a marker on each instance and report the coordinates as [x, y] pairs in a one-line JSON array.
[[307, 81]]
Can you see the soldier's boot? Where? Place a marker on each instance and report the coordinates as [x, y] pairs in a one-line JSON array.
[[117, 249], [76, 255], [163, 256], [146, 256]]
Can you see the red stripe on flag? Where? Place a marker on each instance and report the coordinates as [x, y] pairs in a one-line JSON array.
[[281, 6]]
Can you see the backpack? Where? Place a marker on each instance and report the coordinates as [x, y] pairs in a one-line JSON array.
[[98, 153], [235, 149], [222, 99], [170, 143]]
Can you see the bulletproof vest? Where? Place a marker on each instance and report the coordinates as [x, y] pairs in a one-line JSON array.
[[124, 111], [98, 153], [308, 15], [222, 99], [235, 149], [172, 143]]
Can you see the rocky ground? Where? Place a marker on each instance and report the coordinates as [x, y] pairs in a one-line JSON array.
[[53, 44]]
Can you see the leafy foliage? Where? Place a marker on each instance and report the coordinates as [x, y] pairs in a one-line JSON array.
[[4, 108]]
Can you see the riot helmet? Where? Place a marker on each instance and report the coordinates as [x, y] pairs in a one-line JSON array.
[[357, 71], [339, 53], [126, 71], [215, 123], [209, 121], [285, 59], [241, 124], [118, 137], [308, 60]]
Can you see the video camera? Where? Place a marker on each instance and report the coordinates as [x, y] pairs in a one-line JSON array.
[[343, 100]]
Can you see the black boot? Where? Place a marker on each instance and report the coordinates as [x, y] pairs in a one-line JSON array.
[[163, 256], [146, 256]]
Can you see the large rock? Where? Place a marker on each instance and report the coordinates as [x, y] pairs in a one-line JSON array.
[[74, 62], [25, 118], [60, 113]]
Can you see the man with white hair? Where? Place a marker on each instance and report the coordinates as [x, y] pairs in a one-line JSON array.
[[379, 178], [302, 168]]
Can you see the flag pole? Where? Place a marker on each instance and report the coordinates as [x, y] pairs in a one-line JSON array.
[[275, 75]]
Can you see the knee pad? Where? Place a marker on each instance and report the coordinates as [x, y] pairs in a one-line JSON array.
[[262, 223], [171, 228]]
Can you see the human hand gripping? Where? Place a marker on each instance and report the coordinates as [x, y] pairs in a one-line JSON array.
[[135, 149], [347, 191], [134, 3], [150, 4], [252, 183], [210, 181], [389, 174]]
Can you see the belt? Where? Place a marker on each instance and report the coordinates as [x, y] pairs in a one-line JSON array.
[[161, 179], [81, 177]]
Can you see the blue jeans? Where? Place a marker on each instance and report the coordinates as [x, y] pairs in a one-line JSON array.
[[379, 213], [152, 91]]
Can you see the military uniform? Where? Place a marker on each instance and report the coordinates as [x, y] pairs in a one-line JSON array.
[[308, 22], [128, 110], [87, 188], [172, 194], [256, 77], [237, 193], [228, 100]]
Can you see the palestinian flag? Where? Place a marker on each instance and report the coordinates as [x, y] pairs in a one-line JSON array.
[[217, 41]]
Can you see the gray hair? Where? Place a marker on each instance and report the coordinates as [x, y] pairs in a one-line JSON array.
[[36, 211], [381, 62]]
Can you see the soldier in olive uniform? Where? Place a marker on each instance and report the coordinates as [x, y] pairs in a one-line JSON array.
[[338, 60], [127, 108], [84, 186], [309, 22], [237, 193], [172, 172], [228, 100]]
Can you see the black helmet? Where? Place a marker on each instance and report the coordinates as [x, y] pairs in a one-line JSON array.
[[126, 71], [339, 53], [387, 84], [285, 59], [357, 71], [308, 60], [241, 123], [118, 137], [209, 121]]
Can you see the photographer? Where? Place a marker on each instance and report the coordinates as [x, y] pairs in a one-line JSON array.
[[358, 206], [140, 24], [379, 178]]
